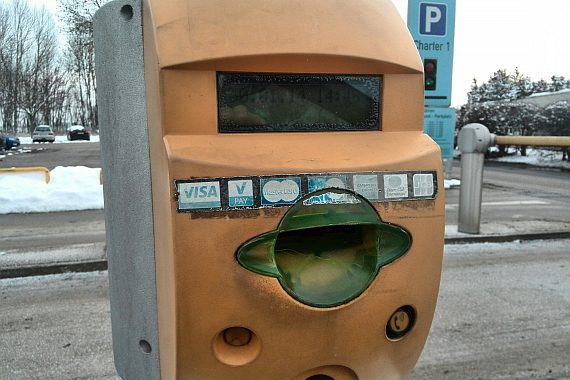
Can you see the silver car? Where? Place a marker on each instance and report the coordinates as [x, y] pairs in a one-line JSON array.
[[43, 133]]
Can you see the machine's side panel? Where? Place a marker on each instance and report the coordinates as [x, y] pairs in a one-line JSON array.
[[127, 188]]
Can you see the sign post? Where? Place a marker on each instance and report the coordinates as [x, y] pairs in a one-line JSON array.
[[432, 25], [439, 124]]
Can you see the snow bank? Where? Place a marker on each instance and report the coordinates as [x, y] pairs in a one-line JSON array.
[[449, 183], [70, 188], [538, 157]]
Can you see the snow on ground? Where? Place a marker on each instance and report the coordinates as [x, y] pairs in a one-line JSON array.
[[79, 187], [69, 188], [449, 183], [60, 140], [537, 157]]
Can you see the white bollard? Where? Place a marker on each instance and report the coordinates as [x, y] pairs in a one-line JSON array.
[[473, 140]]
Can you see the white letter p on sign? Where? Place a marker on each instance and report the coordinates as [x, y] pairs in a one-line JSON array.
[[433, 15]]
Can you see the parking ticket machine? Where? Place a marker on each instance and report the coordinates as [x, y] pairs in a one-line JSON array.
[[274, 210]]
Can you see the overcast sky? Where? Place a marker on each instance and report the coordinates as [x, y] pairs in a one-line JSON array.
[[500, 34]]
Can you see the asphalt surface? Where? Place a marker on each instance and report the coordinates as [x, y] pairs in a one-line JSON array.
[[48, 155], [503, 313]]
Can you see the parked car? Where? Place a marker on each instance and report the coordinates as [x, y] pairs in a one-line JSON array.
[[2, 142], [11, 142], [78, 132], [43, 133]]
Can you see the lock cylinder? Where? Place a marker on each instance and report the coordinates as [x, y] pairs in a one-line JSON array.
[[401, 322]]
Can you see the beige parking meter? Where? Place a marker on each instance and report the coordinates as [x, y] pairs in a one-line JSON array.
[[274, 210]]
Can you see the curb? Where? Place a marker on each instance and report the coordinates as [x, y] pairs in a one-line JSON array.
[[507, 238], [87, 266]]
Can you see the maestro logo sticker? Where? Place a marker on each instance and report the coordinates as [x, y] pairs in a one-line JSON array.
[[278, 191]]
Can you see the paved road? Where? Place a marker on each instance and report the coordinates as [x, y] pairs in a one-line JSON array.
[[503, 313], [23, 232], [76, 153], [518, 194], [56, 328]]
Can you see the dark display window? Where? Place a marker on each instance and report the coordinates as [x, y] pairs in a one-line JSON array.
[[298, 102]]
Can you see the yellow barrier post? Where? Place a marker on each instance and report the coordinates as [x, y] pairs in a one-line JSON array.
[[533, 140], [26, 170]]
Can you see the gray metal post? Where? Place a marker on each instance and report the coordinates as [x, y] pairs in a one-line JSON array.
[[447, 168], [125, 158], [473, 141], [470, 192]]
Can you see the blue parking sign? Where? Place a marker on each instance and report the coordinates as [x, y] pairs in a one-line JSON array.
[[433, 19], [432, 26]]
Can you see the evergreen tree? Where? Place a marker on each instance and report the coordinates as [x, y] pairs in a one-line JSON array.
[[474, 96], [540, 86], [557, 117], [503, 87], [523, 84], [502, 118], [557, 121], [559, 83], [500, 86]]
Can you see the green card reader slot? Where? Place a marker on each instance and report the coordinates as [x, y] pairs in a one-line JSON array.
[[327, 249]]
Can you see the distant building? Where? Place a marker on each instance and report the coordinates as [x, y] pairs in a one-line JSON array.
[[544, 99]]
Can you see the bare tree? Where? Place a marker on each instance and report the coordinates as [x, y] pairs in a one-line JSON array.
[[80, 61], [28, 66], [15, 46], [4, 67], [42, 75]]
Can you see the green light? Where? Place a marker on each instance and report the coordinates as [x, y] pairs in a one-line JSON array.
[[430, 82], [327, 249]]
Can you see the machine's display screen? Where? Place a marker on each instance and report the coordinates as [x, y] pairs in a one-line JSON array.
[[298, 102]]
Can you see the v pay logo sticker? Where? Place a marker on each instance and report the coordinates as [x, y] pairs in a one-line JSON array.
[[240, 193]]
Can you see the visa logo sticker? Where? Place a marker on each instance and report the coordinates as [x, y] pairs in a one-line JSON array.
[[199, 195], [240, 193], [280, 191]]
